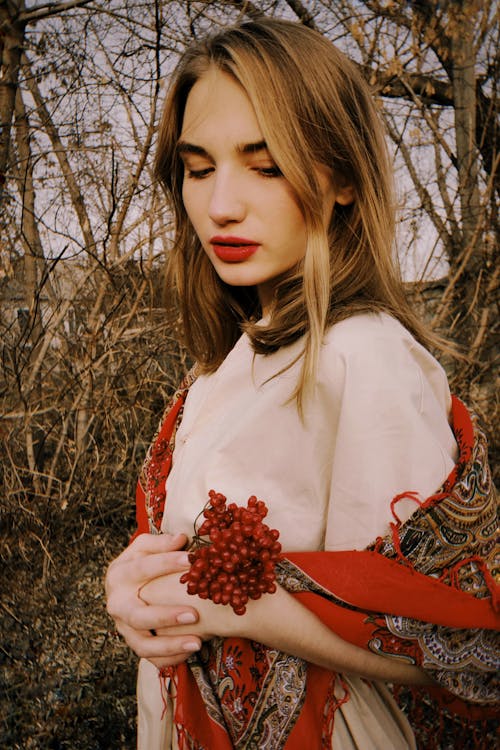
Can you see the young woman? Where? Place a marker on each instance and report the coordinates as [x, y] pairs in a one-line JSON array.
[[315, 391]]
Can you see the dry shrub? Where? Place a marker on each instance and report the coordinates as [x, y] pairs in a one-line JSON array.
[[71, 448]]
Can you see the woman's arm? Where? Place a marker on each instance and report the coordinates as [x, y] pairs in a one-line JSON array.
[[147, 557], [280, 621]]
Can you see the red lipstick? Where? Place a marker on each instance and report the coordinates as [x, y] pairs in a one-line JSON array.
[[233, 249]]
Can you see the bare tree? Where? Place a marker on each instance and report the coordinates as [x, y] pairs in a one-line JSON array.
[[435, 65]]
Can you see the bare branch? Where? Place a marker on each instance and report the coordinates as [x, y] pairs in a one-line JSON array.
[[423, 193], [429, 89], [302, 13], [62, 157], [247, 8], [51, 9]]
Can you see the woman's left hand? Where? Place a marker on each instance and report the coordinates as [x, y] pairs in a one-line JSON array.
[[146, 558], [213, 619]]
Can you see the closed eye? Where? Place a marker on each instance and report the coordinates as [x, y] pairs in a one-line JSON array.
[[269, 171], [199, 174]]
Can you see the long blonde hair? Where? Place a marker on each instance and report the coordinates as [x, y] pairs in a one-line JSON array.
[[313, 107]]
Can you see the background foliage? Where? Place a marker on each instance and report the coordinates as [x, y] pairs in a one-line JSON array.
[[88, 354]]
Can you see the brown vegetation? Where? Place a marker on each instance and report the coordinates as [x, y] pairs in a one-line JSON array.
[[88, 356]]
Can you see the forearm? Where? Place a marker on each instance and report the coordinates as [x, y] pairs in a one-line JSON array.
[[284, 623], [280, 621]]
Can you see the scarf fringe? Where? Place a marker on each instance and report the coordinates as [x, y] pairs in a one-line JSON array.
[[167, 677], [332, 703]]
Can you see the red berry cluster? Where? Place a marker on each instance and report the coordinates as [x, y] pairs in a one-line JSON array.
[[238, 562]]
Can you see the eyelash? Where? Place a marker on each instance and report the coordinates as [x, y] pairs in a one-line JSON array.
[[269, 172], [198, 174]]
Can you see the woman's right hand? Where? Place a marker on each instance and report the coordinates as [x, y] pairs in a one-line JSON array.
[[148, 557]]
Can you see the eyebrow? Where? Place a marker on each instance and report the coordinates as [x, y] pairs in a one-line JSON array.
[[245, 148], [252, 148]]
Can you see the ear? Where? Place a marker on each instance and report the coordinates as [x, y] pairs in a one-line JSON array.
[[344, 195]]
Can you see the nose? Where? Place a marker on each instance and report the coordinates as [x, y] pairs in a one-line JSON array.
[[227, 203]]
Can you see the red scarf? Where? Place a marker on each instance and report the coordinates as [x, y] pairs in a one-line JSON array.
[[424, 592]]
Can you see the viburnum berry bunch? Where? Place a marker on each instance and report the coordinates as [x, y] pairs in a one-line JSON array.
[[237, 563]]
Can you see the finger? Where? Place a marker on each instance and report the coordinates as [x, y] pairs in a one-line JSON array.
[[156, 617], [172, 661], [152, 566], [146, 544], [165, 647], [136, 571]]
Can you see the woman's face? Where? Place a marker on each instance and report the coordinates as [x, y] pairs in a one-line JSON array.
[[242, 209]]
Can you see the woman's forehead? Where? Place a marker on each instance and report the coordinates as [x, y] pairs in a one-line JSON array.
[[218, 107]]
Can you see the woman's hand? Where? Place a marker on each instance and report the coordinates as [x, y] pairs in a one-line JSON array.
[[213, 619], [148, 557]]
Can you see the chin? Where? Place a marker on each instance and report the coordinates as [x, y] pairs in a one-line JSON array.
[[238, 276]]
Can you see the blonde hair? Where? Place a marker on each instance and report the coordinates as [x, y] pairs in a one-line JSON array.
[[313, 107]]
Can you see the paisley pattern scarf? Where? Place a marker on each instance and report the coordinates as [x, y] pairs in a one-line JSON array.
[[425, 593]]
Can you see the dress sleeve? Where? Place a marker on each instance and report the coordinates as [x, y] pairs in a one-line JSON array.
[[392, 435]]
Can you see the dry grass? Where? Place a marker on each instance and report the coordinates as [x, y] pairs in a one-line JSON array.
[[67, 681]]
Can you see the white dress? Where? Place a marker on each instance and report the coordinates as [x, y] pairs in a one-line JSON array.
[[375, 426]]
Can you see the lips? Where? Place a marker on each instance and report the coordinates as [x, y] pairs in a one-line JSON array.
[[233, 249]]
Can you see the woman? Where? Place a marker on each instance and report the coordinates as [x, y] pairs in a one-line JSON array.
[[314, 391]]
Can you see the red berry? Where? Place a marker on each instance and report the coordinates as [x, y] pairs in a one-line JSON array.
[[237, 564]]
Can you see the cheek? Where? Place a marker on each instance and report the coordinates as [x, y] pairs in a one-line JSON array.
[[292, 217], [190, 204], [296, 232], [289, 212], [185, 197]]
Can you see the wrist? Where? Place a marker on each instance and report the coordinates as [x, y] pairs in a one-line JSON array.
[[220, 619], [261, 617]]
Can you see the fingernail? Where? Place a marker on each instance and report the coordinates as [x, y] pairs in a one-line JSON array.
[[184, 559], [186, 618], [190, 646]]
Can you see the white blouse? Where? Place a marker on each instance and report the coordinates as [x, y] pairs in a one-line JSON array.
[[376, 426]]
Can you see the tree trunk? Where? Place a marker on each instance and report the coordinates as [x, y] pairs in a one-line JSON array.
[[11, 46], [464, 95]]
